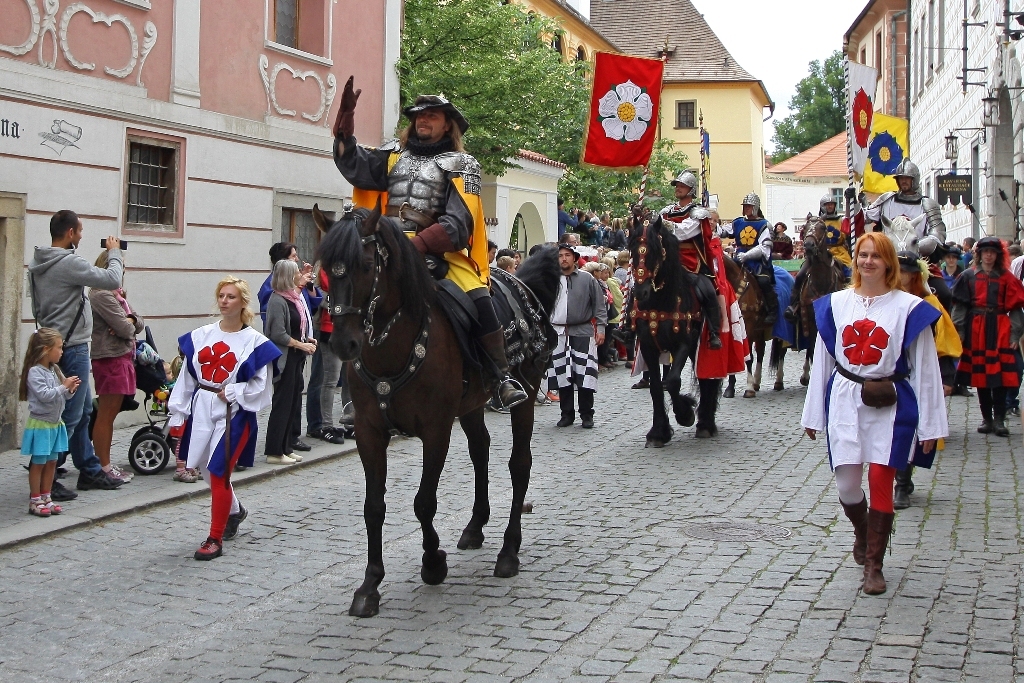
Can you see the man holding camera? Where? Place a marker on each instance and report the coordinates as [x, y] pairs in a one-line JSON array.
[[58, 277]]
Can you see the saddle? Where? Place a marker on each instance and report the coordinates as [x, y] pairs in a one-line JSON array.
[[461, 313]]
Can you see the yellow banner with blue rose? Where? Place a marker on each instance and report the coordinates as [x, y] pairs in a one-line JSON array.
[[889, 145]]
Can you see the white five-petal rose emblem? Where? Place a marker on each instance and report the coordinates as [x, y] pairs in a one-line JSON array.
[[625, 112]]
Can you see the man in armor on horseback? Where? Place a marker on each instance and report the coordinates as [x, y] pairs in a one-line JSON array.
[[837, 241], [431, 186], [928, 232], [753, 238], [692, 226]]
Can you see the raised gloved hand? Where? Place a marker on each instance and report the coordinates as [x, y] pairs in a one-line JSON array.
[[345, 124], [850, 193]]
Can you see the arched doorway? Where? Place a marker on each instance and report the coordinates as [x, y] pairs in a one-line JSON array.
[[527, 228]]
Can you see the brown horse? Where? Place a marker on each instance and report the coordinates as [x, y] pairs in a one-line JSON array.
[[751, 301], [824, 275], [408, 376]]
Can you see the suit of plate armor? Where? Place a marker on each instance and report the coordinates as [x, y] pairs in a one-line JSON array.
[[924, 214], [753, 240]]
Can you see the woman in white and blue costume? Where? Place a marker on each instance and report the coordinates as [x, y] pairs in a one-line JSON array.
[[874, 331], [226, 378]]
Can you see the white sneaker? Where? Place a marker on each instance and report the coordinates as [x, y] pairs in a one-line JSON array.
[[280, 460], [295, 457], [124, 476]]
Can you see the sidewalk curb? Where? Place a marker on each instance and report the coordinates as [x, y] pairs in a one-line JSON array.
[[36, 529]]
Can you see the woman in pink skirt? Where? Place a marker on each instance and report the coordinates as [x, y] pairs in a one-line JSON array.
[[114, 326]]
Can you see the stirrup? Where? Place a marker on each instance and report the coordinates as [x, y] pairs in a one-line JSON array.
[[519, 387]]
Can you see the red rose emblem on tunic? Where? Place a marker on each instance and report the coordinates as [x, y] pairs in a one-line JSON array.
[[216, 362], [863, 111], [864, 342]]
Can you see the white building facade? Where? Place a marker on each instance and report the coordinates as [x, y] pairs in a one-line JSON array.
[[987, 120]]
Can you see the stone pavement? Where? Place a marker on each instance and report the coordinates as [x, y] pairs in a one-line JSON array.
[[617, 581]]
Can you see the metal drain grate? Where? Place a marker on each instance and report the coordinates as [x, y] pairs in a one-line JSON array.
[[728, 530]]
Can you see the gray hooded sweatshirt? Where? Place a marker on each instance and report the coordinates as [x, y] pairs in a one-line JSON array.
[[58, 278]]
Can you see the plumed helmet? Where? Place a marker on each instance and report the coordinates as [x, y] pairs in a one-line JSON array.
[[424, 102], [827, 199], [686, 178], [752, 200], [909, 169]]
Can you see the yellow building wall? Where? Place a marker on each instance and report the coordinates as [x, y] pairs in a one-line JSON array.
[[732, 117], [576, 33]]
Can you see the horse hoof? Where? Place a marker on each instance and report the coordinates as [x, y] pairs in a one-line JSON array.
[[702, 434], [804, 381], [365, 605], [749, 394], [778, 386], [506, 567], [435, 574], [471, 540], [654, 443], [729, 393]]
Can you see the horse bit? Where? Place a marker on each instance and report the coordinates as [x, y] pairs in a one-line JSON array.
[[380, 261]]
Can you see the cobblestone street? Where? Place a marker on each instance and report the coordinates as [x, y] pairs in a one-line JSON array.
[[622, 579]]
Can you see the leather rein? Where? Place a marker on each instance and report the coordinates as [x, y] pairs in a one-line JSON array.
[[384, 388]]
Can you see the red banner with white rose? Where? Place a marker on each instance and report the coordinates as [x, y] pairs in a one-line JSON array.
[[624, 104]]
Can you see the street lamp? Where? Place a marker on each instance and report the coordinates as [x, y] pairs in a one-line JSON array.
[[990, 111], [952, 147]]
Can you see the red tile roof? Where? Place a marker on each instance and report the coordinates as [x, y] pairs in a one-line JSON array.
[[825, 159], [540, 159]]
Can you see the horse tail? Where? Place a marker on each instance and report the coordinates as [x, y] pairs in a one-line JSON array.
[[778, 354]]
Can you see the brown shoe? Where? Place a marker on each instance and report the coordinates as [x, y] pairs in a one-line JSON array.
[[879, 530], [858, 516]]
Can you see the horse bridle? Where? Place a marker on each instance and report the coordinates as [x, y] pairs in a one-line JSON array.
[[642, 275], [380, 261]]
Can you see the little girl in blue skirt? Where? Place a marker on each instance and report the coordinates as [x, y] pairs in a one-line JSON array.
[[46, 389]]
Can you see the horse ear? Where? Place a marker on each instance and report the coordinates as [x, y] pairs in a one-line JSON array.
[[371, 222], [322, 222], [886, 223]]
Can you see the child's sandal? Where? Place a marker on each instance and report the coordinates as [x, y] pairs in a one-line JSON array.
[[54, 508], [38, 508]]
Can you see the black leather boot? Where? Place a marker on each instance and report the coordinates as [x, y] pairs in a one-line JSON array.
[[709, 307], [999, 426], [510, 392], [771, 300], [904, 487]]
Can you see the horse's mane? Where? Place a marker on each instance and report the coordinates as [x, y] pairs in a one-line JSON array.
[[540, 272], [343, 244], [678, 281]]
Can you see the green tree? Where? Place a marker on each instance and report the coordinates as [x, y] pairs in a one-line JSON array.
[[818, 109], [495, 62]]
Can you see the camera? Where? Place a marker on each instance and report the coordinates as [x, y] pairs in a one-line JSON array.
[[103, 244]]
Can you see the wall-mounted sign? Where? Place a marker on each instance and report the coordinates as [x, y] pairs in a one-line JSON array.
[[954, 189], [9, 129]]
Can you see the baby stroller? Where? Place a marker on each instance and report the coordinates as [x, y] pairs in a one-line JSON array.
[[152, 444]]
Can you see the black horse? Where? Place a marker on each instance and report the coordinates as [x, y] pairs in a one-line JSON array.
[[408, 375], [666, 316]]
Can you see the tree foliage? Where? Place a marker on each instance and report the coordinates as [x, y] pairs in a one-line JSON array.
[[818, 109], [494, 61]]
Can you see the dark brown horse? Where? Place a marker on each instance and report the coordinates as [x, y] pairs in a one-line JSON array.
[[408, 376], [752, 307], [824, 275]]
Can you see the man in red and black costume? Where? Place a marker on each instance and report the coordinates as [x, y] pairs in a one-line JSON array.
[[693, 228], [987, 303]]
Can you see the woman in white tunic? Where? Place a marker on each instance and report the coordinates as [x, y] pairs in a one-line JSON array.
[[225, 378], [874, 331]]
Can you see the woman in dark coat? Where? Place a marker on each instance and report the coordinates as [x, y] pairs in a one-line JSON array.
[[987, 302]]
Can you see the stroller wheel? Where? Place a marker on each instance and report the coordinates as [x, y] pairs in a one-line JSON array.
[[149, 452]]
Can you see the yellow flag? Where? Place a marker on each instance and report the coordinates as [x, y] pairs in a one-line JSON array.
[[889, 145]]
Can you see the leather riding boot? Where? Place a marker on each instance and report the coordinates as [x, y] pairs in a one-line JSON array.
[[792, 313], [771, 300], [510, 392], [858, 516], [999, 425], [879, 530], [710, 309], [904, 487]]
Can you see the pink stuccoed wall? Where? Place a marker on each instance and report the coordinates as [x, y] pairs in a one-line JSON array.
[[106, 46]]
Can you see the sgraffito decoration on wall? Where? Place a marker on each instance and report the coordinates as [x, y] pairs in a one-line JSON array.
[[61, 136], [327, 91]]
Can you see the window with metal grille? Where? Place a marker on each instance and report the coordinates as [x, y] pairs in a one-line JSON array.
[[302, 232], [152, 180], [686, 114]]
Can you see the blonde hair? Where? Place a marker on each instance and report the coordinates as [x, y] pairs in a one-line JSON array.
[[243, 291], [103, 261], [888, 253], [39, 345], [505, 262], [623, 258], [609, 261]]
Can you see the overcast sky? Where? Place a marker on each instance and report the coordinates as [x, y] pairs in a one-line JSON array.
[[775, 40]]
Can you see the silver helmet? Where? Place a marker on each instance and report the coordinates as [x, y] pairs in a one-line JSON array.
[[910, 170], [827, 199], [686, 178], [752, 200]]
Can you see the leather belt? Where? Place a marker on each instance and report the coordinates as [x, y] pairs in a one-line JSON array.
[[984, 311], [898, 377], [407, 213]]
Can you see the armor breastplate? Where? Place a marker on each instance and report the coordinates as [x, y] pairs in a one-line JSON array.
[[420, 183], [893, 208]]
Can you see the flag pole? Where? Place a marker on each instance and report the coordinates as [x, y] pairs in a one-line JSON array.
[[849, 135], [705, 197], [643, 185]]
